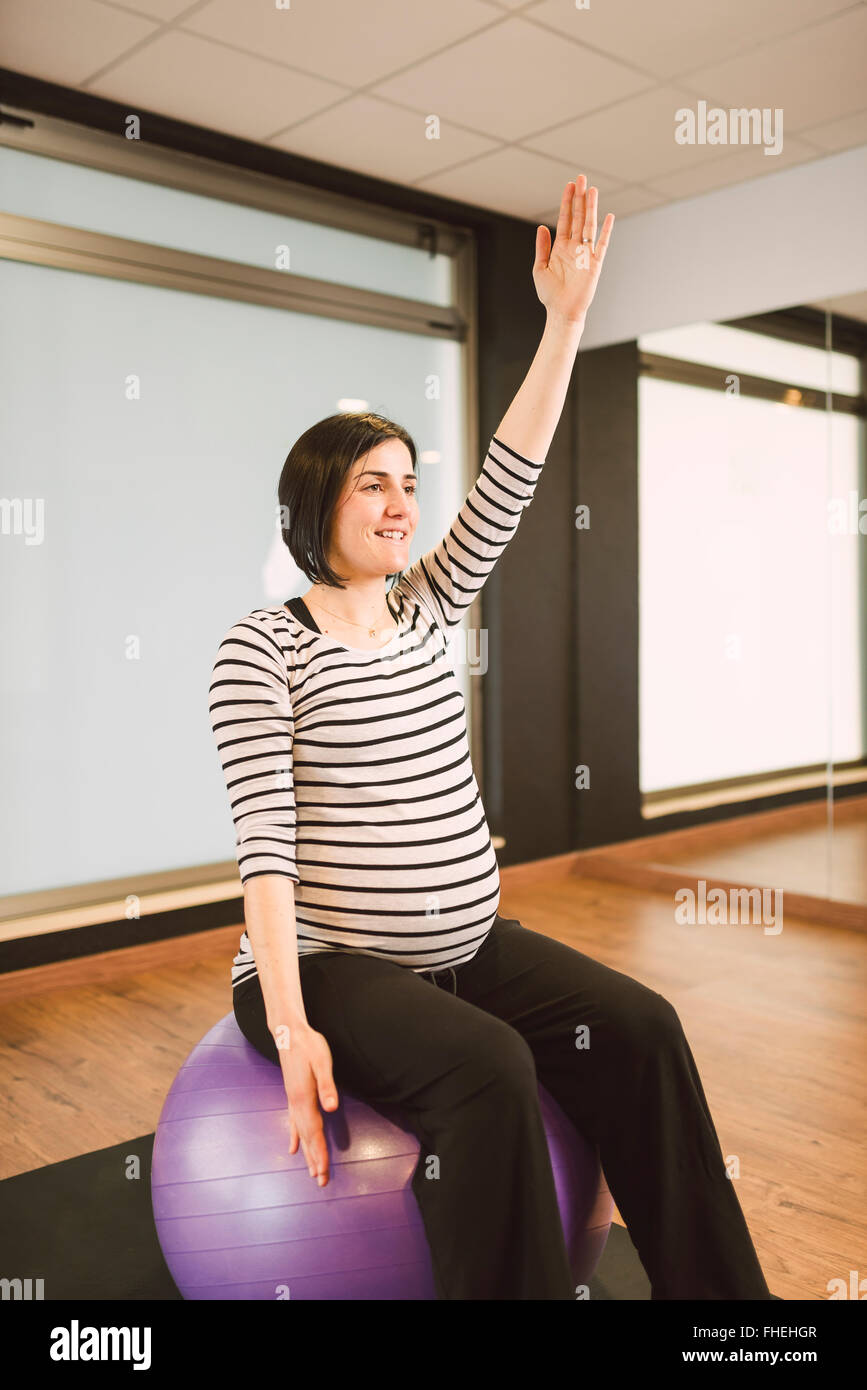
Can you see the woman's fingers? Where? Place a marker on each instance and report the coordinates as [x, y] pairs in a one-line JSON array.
[[325, 1086], [301, 1131], [578, 212], [578, 207], [604, 237], [588, 231], [319, 1154], [316, 1153], [309, 1157], [309, 1122], [564, 221], [320, 1064], [543, 247]]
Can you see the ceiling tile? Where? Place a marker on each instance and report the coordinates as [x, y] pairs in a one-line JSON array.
[[195, 80], [510, 180], [669, 37], [813, 76], [376, 137], [748, 163], [633, 140], [65, 43], [343, 40], [838, 135], [625, 201], [854, 306], [511, 81], [161, 10]]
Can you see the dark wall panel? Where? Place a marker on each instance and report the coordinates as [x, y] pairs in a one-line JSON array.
[[606, 632]]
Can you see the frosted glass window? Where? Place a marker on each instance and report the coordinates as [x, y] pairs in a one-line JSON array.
[[159, 529], [749, 602], [55, 190], [756, 354]]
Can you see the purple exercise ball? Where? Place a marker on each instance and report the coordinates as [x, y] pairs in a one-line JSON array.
[[238, 1216]]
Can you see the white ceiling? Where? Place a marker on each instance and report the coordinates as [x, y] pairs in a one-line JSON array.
[[528, 94]]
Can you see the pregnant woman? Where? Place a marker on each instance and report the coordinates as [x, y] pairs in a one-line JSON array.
[[374, 957]]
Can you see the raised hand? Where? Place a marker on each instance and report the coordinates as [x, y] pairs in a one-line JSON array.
[[567, 273]]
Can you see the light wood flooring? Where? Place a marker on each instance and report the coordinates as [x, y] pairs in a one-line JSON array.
[[88, 1049]]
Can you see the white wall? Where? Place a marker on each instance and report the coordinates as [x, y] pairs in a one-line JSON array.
[[786, 238]]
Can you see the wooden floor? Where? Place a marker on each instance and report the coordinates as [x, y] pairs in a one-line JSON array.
[[794, 850], [812, 868], [776, 1023]]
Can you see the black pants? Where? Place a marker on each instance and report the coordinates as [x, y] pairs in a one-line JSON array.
[[462, 1063]]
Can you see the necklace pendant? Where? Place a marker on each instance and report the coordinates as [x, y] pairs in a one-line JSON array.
[[372, 632]]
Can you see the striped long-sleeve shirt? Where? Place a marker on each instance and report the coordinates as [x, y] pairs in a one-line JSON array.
[[349, 771]]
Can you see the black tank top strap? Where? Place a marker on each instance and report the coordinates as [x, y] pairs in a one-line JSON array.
[[299, 608]]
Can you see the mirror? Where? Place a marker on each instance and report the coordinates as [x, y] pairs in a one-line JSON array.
[[753, 589], [845, 867]]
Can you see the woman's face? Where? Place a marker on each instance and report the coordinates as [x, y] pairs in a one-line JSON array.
[[378, 495]]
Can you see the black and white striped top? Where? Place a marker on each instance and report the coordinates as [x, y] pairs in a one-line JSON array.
[[349, 771]]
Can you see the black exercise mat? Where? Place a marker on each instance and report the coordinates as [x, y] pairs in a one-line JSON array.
[[85, 1227], [87, 1230]]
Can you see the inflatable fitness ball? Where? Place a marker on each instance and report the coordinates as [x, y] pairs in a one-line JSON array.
[[238, 1217]]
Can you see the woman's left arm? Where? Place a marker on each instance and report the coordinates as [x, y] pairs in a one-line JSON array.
[[565, 275]]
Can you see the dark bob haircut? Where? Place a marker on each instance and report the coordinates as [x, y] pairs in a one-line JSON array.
[[312, 480]]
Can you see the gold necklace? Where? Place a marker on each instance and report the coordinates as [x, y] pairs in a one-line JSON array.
[[371, 631]]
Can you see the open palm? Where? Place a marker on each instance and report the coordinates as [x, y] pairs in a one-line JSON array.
[[567, 273]]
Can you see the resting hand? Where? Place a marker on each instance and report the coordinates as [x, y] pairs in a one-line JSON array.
[[305, 1059]]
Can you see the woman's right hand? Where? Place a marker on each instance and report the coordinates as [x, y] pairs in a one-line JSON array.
[[305, 1060]]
